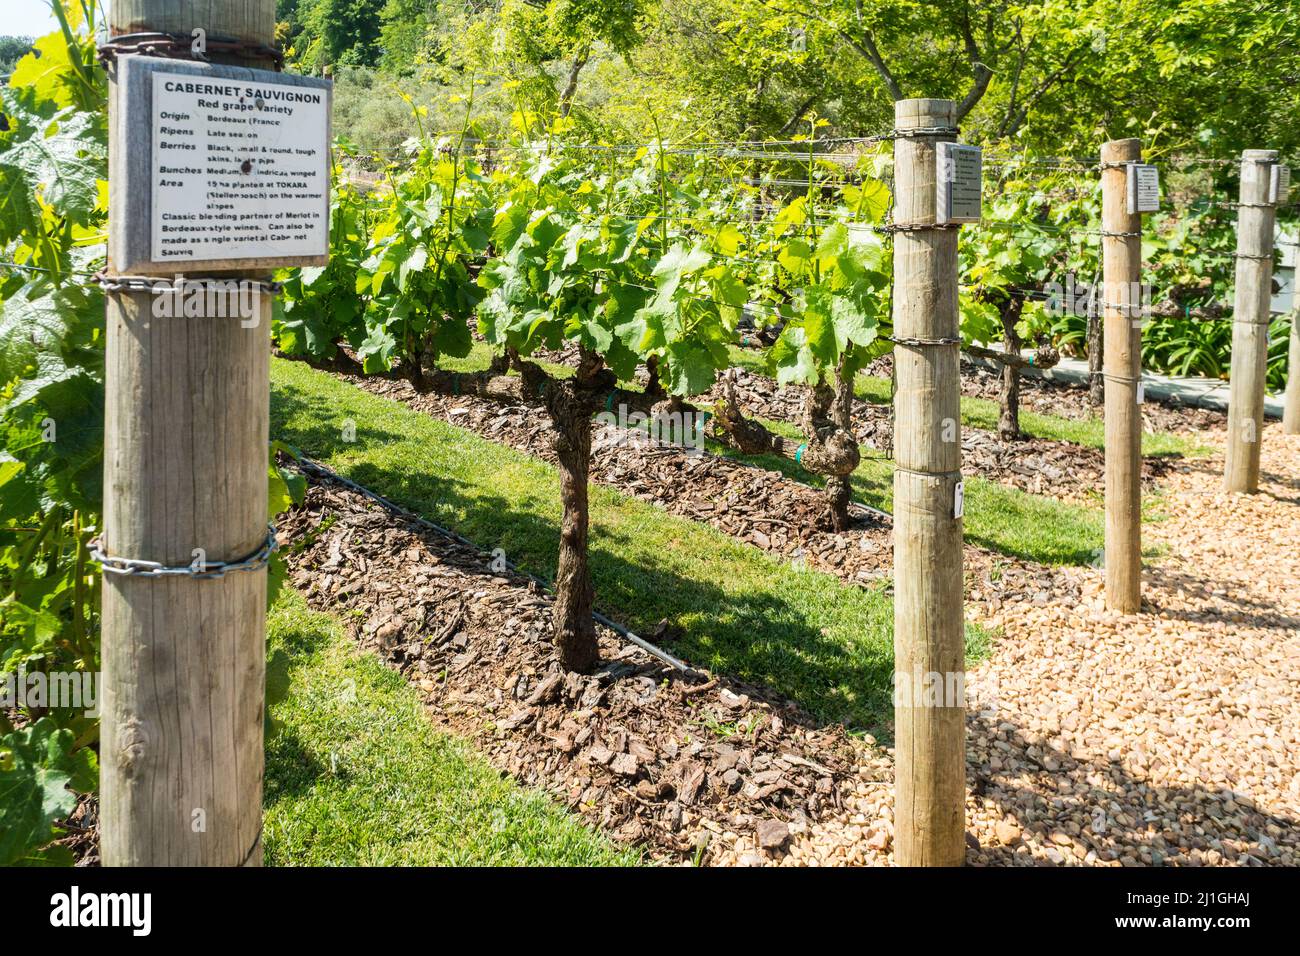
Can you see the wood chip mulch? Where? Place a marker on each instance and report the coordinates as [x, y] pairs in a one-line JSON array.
[[683, 768]]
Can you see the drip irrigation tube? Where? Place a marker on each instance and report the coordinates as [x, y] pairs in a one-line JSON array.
[[321, 471]]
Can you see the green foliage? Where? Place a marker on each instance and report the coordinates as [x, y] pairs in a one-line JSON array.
[[329, 32], [53, 209], [1039, 228], [836, 270], [53, 217], [633, 255], [321, 306], [41, 771], [590, 256], [1055, 76], [416, 279], [1042, 226], [409, 34], [13, 49]]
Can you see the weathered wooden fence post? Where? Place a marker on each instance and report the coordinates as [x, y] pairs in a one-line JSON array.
[[1250, 318], [1291, 408], [185, 456], [929, 647], [1122, 301]]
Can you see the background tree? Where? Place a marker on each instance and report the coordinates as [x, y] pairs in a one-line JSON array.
[[537, 42], [330, 32], [13, 49], [410, 35]]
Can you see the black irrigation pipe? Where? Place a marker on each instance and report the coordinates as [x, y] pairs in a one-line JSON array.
[[321, 471]]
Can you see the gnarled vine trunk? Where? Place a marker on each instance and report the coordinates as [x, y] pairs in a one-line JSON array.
[[1096, 384], [654, 387], [571, 404], [831, 449], [575, 631], [1009, 395], [828, 415]]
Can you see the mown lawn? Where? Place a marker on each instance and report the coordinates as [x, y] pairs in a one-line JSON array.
[[1004, 519], [738, 610], [357, 776], [998, 517]]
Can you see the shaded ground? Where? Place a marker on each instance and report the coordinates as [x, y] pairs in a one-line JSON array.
[[1099, 739], [757, 503], [657, 760]]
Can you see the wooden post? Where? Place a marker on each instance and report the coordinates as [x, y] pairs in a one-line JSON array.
[[1122, 350], [929, 629], [1291, 409], [1250, 317], [185, 463]]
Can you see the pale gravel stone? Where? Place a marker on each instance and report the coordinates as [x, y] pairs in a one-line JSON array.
[[1171, 737]]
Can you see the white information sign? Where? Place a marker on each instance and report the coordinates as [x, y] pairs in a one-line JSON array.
[[958, 179], [1143, 188], [240, 169], [1279, 184]]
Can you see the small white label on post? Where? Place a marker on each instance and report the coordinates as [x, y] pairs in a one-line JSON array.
[[958, 180], [959, 499], [1143, 188], [1142, 393], [1279, 184], [240, 169]]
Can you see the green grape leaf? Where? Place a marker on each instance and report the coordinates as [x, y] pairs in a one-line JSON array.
[[377, 350], [691, 368], [39, 788]]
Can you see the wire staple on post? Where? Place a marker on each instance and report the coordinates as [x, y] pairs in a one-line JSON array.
[[891, 228], [916, 343], [920, 131]]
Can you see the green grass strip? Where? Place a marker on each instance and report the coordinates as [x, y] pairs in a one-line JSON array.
[[997, 517], [740, 611], [358, 776], [1005, 519]]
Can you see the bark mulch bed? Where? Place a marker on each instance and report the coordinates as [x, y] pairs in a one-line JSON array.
[[1064, 400], [82, 829], [654, 758], [1040, 466], [763, 508]]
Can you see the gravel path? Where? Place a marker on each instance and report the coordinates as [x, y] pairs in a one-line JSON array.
[[1168, 738]]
